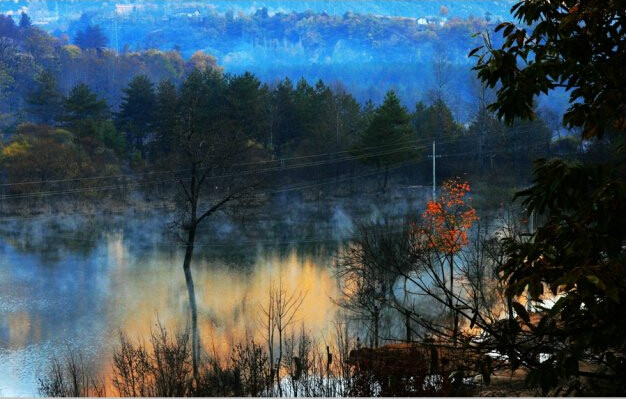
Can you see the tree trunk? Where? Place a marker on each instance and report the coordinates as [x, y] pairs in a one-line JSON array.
[[195, 341], [407, 322], [280, 360], [385, 180], [455, 317], [376, 317]]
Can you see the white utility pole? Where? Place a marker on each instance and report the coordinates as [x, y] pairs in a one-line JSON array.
[[434, 156]]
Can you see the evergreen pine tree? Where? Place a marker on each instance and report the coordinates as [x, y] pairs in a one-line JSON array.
[[45, 101], [165, 121], [387, 140], [283, 116], [136, 116], [25, 21], [246, 101], [82, 104], [90, 38]]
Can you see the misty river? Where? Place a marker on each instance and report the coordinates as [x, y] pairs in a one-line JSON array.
[[72, 283], [60, 292]]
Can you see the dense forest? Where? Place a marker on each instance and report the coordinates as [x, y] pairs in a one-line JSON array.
[[113, 113], [356, 44]]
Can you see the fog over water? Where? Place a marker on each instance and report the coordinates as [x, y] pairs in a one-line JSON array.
[[74, 282], [79, 297]]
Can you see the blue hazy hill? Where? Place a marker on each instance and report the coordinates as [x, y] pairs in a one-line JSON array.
[[54, 12], [368, 47]]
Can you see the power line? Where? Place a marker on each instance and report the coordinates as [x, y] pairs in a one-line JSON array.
[[260, 192], [122, 186], [279, 160], [229, 175], [237, 174], [449, 138], [272, 242], [248, 242]]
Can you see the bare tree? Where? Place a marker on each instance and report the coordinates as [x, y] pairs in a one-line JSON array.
[[278, 315], [484, 118], [208, 157], [367, 271], [286, 306], [252, 365], [422, 292], [72, 377], [267, 325], [442, 73], [164, 369]]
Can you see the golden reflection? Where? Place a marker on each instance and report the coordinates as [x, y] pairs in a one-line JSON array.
[[151, 290], [20, 329]]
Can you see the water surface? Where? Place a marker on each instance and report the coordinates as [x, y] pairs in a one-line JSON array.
[[73, 285]]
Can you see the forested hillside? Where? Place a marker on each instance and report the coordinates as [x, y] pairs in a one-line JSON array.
[[359, 44], [114, 112]]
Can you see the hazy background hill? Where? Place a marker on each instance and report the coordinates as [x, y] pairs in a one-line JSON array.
[[368, 46]]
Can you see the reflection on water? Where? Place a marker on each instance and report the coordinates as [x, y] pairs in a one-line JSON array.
[[63, 289]]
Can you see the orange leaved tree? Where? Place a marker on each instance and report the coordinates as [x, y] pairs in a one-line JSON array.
[[446, 223]]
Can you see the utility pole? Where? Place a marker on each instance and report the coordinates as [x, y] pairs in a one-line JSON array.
[[434, 156]]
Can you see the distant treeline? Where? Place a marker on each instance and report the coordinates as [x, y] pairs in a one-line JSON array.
[[58, 123], [358, 50], [26, 51]]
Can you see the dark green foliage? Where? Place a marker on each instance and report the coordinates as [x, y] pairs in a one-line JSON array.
[[388, 136], [137, 112], [45, 100], [435, 122], [108, 135], [90, 38], [487, 134], [283, 127], [571, 44], [566, 147], [165, 119], [202, 107], [8, 27], [25, 21], [292, 120], [349, 118], [578, 252], [81, 103], [246, 103], [390, 126]]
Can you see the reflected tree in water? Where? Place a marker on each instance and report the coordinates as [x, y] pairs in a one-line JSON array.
[[209, 152]]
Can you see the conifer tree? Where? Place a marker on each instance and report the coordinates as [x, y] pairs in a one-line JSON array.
[[45, 100], [25, 21], [136, 116], [246, 106], [386, 142], [81, 104], [165, 119], [90, 38]]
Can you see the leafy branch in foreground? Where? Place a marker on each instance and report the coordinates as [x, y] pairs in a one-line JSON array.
[[578, 253]]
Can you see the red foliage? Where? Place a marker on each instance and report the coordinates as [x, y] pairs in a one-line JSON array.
[[448, 219]]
